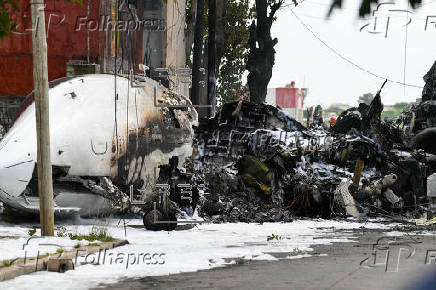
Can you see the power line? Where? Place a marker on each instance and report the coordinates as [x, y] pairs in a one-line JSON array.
[[326, 18], [360, 19], [348, 60]]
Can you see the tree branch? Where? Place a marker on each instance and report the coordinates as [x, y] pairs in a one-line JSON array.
[[273, 9]]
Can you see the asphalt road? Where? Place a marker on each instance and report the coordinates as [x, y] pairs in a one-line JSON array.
[[393, 263]]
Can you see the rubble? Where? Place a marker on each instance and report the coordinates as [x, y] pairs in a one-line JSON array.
[[429, 91], [431, 191], [260, 165]]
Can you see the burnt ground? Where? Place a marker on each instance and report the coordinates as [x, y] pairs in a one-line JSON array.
[[336, 266]]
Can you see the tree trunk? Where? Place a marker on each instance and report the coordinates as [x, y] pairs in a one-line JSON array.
[[220, 30], [190, 29], [211, 83], [203, 112], [261, 57], [198, 45]]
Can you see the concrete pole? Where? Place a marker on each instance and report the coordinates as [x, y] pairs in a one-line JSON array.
[[40, 79]]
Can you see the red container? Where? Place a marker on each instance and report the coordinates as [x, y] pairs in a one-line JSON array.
[[287, 98]]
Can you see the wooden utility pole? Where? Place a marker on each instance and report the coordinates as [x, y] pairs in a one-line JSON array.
[[40, 79]]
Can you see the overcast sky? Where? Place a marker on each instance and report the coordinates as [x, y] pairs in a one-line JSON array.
[[306, 60]]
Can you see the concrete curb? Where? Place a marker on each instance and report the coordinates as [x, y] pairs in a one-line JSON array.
[[31, 265]]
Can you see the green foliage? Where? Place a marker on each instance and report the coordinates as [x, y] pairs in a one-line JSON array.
[[96, 234], [166, 1], [79, 1], [76, 246], [395, 111], [60, 251], [273, 237], [6, 264], [61, 231], [389, 112], [7, 24], [401, 106], [335, 112], [12, 216], [390, 115], [366, 98], [235, 53], [297, 251], [232, 66], [32, 232]]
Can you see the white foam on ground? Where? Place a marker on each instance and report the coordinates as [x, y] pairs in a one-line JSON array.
[[203, 247], [16, 242]]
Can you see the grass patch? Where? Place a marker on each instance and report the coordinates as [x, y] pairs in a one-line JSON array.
[[60, 251], [96, 234], [6, 264], [32, 232], [14, 217], [44, 256], [76, 246], [40, 257], [273, 237], [296, 252], [9, 237], [61, 231]]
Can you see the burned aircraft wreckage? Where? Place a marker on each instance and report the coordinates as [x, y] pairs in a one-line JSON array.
[[250, 163], [108, 138], [260, 165]]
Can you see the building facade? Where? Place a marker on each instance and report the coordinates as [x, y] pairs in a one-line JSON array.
[[291, 100], [96, 37]]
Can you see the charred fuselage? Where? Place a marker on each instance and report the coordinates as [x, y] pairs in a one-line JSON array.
[[109, 135]]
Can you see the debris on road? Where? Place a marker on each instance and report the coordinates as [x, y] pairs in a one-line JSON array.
[[261, 165]]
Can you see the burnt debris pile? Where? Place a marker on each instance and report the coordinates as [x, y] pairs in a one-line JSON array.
[[258, 164]]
